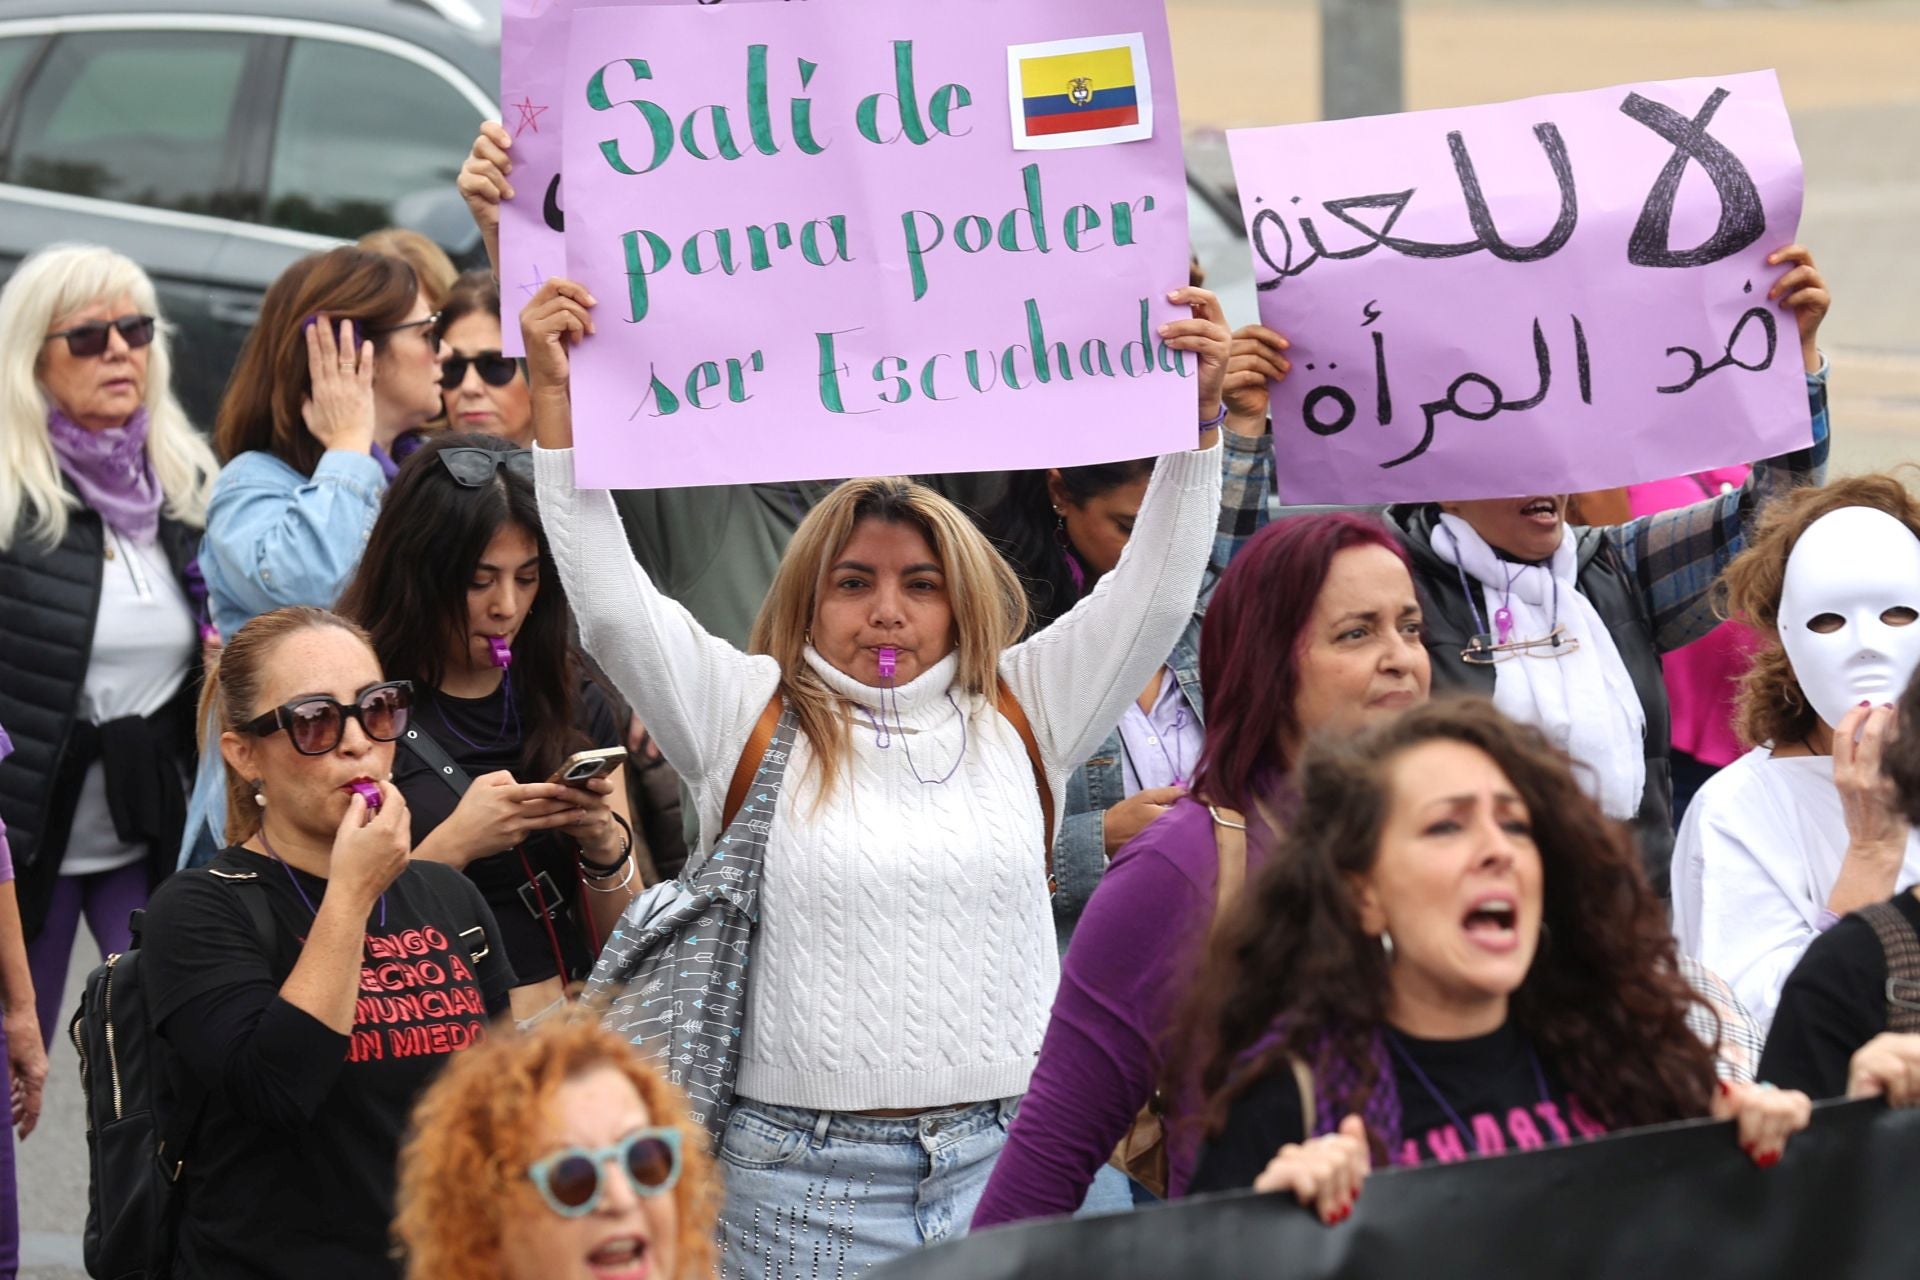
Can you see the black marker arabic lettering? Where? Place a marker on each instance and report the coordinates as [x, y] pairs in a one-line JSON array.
[[1279, 257], [1309, 409], [1701, 369], [1585, 367], [1382, 394], [1743, 218], [1497, 403], [555, 217]]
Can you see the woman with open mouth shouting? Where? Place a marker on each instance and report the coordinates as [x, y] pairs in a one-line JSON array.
[[1453, 953], [1564, 626]]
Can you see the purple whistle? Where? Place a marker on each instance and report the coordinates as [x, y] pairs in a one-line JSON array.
[[887, 656], [502, 654], [368, 791]]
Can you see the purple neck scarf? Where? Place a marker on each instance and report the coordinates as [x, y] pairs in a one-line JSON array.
[[111, 471]]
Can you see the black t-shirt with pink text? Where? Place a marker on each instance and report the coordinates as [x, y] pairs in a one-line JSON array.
[[291, 1173], [1487, 1095]]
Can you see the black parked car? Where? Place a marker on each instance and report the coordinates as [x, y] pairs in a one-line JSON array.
[[216, 146]]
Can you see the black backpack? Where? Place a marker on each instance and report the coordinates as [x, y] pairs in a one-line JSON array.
[[138, 1130]]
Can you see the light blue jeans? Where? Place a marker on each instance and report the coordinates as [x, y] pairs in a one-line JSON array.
[[826, 1195]]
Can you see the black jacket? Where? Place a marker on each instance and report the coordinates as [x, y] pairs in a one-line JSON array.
[[49, 600], [1603, 580]]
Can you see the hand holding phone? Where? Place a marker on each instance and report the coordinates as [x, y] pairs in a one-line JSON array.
[[577, 769]]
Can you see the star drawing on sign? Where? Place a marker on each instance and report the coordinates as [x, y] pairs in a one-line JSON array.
[[529, 115]]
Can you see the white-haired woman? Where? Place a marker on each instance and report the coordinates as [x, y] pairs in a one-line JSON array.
[[103, 491]]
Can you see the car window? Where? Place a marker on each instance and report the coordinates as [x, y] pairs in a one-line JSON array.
[[138, 116], [359, 131], [13, 57]]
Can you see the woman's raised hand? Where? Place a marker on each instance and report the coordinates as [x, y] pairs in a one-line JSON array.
[[338, 410], [1876, 830], [370, 853], [483, 184], [1208, 338], [1325, 1174], [1258, 358]]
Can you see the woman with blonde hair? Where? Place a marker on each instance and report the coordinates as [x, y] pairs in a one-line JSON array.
[[103, 489], [555, 1155], [904, 957], [1802, 830]]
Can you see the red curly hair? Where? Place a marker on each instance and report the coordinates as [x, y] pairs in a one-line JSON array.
[[483, 1116]]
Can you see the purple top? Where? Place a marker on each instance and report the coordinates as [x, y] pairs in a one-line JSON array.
[[1162, 745], [1135, 948]]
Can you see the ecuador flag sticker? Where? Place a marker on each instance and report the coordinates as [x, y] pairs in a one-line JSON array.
[[1086, 92]]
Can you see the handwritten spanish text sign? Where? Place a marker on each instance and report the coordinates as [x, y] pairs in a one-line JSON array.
[[533, 55], [818, 252], [1560, 294]]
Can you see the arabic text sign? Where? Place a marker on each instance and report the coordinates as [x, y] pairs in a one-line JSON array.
[[1560, 294], [818, 252]]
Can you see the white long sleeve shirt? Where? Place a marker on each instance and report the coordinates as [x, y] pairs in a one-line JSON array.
[[905, 956]]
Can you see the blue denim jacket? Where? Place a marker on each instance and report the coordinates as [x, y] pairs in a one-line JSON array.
[[1080, 847], [275, 538]]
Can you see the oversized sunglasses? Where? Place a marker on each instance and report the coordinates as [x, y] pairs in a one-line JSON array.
[[494, 369], [474, 468], [316, 724], [572, 1181], [431, 324], [90, 339]]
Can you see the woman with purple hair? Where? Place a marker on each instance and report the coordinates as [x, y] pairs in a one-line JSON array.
[[1314, 627]]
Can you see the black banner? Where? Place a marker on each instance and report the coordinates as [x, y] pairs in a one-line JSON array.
[[1677, 1201]]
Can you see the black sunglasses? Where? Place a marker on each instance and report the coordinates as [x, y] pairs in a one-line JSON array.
[[494, 369], [90, 339], [474, 468], [317, 724], [431, 324]]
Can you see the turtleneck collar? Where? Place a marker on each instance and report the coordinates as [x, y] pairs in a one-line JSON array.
[[928, 689]]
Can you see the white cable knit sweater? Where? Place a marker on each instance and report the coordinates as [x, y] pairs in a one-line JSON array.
[[905, 956]]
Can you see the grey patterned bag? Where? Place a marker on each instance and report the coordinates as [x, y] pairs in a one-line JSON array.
[[673, 975]]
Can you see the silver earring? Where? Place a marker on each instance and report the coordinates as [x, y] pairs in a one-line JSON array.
[[259, 797], [1386, 945]]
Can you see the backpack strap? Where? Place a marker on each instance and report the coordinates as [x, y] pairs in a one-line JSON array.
[[1009, 706], [750, 756], [1901, 946], [435, 757]]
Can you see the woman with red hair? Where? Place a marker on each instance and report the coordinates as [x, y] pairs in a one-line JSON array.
[[555, 1155], [1314, 627]]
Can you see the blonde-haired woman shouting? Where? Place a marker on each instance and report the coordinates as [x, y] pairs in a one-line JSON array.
[[905, 959]]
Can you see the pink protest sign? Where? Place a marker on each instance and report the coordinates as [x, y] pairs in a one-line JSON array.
[[1559, 294], [818, 251], [533, 56]]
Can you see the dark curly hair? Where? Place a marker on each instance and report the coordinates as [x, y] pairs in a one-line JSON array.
[[1290, 972], [1900, 758]]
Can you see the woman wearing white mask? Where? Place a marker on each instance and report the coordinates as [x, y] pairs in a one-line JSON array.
[[1801, 830]]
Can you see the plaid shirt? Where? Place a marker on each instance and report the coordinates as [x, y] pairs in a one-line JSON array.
[[1246, 470], [1722, 1023], [1675, 556]]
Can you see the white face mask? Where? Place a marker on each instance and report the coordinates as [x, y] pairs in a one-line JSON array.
[[1850, 610]]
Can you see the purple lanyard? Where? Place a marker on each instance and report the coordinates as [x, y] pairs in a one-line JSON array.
[[1453, 1117], [294, 881]]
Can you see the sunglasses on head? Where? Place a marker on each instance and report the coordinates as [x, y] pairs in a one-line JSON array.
[[474, 468], [317, 724], [572, 1181], [90, 339], [494, 369]]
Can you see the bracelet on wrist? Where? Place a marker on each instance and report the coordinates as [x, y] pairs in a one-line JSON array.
[[591, 882], [1217, 419], [606, 870]]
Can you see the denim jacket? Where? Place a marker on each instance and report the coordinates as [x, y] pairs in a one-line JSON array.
[[1080, 850], [275, 538]]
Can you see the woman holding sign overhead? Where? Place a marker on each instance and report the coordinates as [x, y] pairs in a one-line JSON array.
[[904, 955], [1564, 626]]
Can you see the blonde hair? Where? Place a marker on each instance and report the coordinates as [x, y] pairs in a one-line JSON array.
[[233, 686], [478, 1127], [57, 281], [989, 606], [432, 268]]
